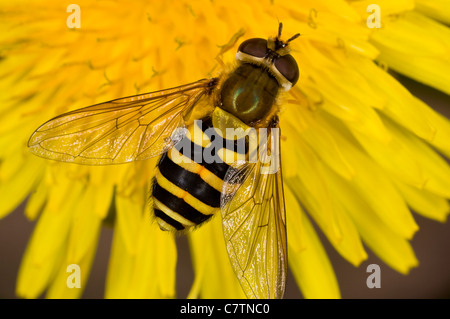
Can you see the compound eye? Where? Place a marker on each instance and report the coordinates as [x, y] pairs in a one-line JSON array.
[[255, 47], [287, 66]]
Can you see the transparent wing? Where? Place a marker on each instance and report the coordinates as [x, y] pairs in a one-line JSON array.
[[254, 226], [123, 130]]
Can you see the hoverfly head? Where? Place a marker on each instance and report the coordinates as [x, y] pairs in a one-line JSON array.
[[274, 54]]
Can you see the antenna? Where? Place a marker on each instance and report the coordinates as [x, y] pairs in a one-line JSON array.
[[280, 28], [293, 37]]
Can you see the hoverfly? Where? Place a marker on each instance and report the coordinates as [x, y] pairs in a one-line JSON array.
[[187, 193]]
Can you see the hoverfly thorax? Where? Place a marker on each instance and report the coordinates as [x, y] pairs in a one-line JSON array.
[[265, 68]]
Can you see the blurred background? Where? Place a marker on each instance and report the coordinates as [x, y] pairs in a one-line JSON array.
[[431, 245]]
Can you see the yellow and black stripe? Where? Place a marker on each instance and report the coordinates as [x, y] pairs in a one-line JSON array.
[[187, 193]]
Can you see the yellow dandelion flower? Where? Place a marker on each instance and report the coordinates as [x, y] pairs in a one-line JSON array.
[[359, 151]]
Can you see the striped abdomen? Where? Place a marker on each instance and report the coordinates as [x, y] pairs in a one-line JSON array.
[[186, 188]]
